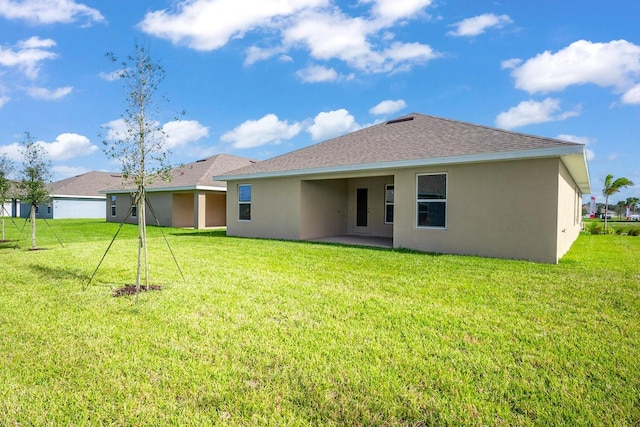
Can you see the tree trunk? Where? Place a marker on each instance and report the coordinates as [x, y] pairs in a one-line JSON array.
[[606, 211], [33, 227], [141, 240], [2, 219], [143, 210]]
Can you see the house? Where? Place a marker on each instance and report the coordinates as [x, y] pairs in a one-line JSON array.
[[76, 197], [423, 183], [191, 199], [11, 206]]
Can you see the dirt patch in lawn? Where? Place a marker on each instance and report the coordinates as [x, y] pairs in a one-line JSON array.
[[131, 290]]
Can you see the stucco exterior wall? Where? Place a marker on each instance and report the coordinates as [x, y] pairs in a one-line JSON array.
[[182, 211], [375, 223], [275, 209], [505, 209], [161, 204], [499, 209], [569, 211], [216, 204], [323, 208]]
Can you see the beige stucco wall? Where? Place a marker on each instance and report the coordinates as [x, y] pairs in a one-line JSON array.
[[569, 211], [216, 206], [161, 206], [323, 208], [375, 222], [507, 209], [183, 210], [500, 209], [123, 203], [275, 209], [160, 203]]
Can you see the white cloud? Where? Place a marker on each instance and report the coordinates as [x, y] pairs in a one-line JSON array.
[[333, 123], [317, 73], [27, 55], [68, 145], [388, 107], [510, 63], [116, 130], [477, 25], [317, 26], [62, 172], [531, 112], [337, 36], [579, 140], [4, 100], [393, 10], [614, 64], [48, 11], [255, 54], [210, 24], [175, 133], [113, 75], [632, 96], [48, 94], [13, 151], [255, 133], [181, 132]]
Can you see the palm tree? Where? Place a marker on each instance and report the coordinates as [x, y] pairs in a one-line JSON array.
[[633, 203], [612, 187]]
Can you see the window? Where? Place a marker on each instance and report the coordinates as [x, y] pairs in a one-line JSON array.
[[432, 200], [388, 203], [134, 207], [113, 205], [244, 202]]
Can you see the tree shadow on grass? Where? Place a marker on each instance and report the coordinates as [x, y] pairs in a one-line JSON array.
[[8, 244], [59, 273], [208, 233]]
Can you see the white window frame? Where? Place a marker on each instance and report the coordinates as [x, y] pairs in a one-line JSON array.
[[245, 202], [426, 200], [387, 203], [113, 205]]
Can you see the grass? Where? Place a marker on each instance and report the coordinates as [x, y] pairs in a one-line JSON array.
[[265, 332]]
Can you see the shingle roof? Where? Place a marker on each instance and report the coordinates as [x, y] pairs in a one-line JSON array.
[[196, 174], [414, 137], [201, 172], [85, 185]]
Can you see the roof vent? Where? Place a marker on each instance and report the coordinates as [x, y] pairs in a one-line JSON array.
[[403, 119], [201, 160]]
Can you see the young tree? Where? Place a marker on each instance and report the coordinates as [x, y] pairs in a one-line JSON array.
[[6, 168], [140, 144], [611, 187], [35, 176], [633, 203]]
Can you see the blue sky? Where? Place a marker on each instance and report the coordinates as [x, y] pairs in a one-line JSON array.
[[261, 78]]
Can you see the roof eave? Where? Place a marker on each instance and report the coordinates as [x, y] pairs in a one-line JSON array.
[[165, 189], [75, 196], [563, 151]]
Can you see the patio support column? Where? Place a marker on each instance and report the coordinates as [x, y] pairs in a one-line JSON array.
[[199, 210]]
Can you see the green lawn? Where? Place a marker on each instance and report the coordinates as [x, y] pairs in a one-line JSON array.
[[267, 332]]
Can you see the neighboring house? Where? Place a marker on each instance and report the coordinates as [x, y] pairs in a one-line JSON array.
[[76, 197], [191, 199], [425, 183], [11, 207]]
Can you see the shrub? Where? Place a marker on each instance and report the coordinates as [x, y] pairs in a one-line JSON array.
[[594, 228]]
